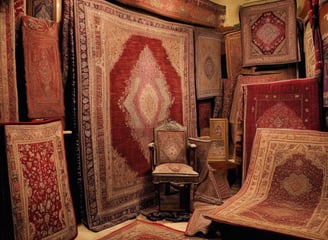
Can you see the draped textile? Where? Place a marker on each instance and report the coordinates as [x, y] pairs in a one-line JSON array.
[[8, 85], [208, 63], [268, 33], [199, 12], [287, 166], [44, 87], [40, 195], [207, 190], [290, 104], [133, 71]]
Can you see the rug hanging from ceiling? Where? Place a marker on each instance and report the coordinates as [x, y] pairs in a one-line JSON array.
[[200, 12], [208, 63], [8, 86], [287, 166], [141, 229], [44, 85], [40, 195], [268, 33], [292, 104], [133, 71]]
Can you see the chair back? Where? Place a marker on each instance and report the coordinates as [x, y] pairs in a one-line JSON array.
[[170, 140]]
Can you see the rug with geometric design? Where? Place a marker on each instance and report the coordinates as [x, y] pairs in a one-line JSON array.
[[285, 190]]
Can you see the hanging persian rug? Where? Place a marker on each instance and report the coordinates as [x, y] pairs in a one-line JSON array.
[[133, 71], [268, 33]]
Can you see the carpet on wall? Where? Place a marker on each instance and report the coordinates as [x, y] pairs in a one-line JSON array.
[[34, 157], [208, 63], [133, 71], [287, 166], [44, 85], [8, 86], [268, 33], [289, 104], [141, 229]]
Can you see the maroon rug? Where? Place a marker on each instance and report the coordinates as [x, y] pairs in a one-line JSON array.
[[133, 71], [292, 104]]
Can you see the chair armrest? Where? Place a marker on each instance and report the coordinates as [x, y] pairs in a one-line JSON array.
[[192, 146], [193, 158], [151, 146]]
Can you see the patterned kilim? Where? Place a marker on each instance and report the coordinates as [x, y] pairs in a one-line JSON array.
[[140, 229], [286, 188], [38, 180], [44, 86], [268, 33], [133, 71], [208, 63], [292, 104], [8, 88]]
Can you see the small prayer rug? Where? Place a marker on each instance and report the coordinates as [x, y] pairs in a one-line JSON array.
[[268, 33], [285, 190], [133, 72], [292, 104], [44, 85], [140, 229], [40, 196], [208, 63]]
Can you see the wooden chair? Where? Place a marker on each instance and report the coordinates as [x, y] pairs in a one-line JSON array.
[[172, 167]]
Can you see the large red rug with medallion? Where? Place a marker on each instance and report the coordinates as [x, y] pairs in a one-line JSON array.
[[133, 71]]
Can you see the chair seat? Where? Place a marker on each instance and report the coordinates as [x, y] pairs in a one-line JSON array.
[[174, 172]]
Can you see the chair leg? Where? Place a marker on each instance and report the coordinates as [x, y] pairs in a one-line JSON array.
[[185, 197], [158, 195]]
